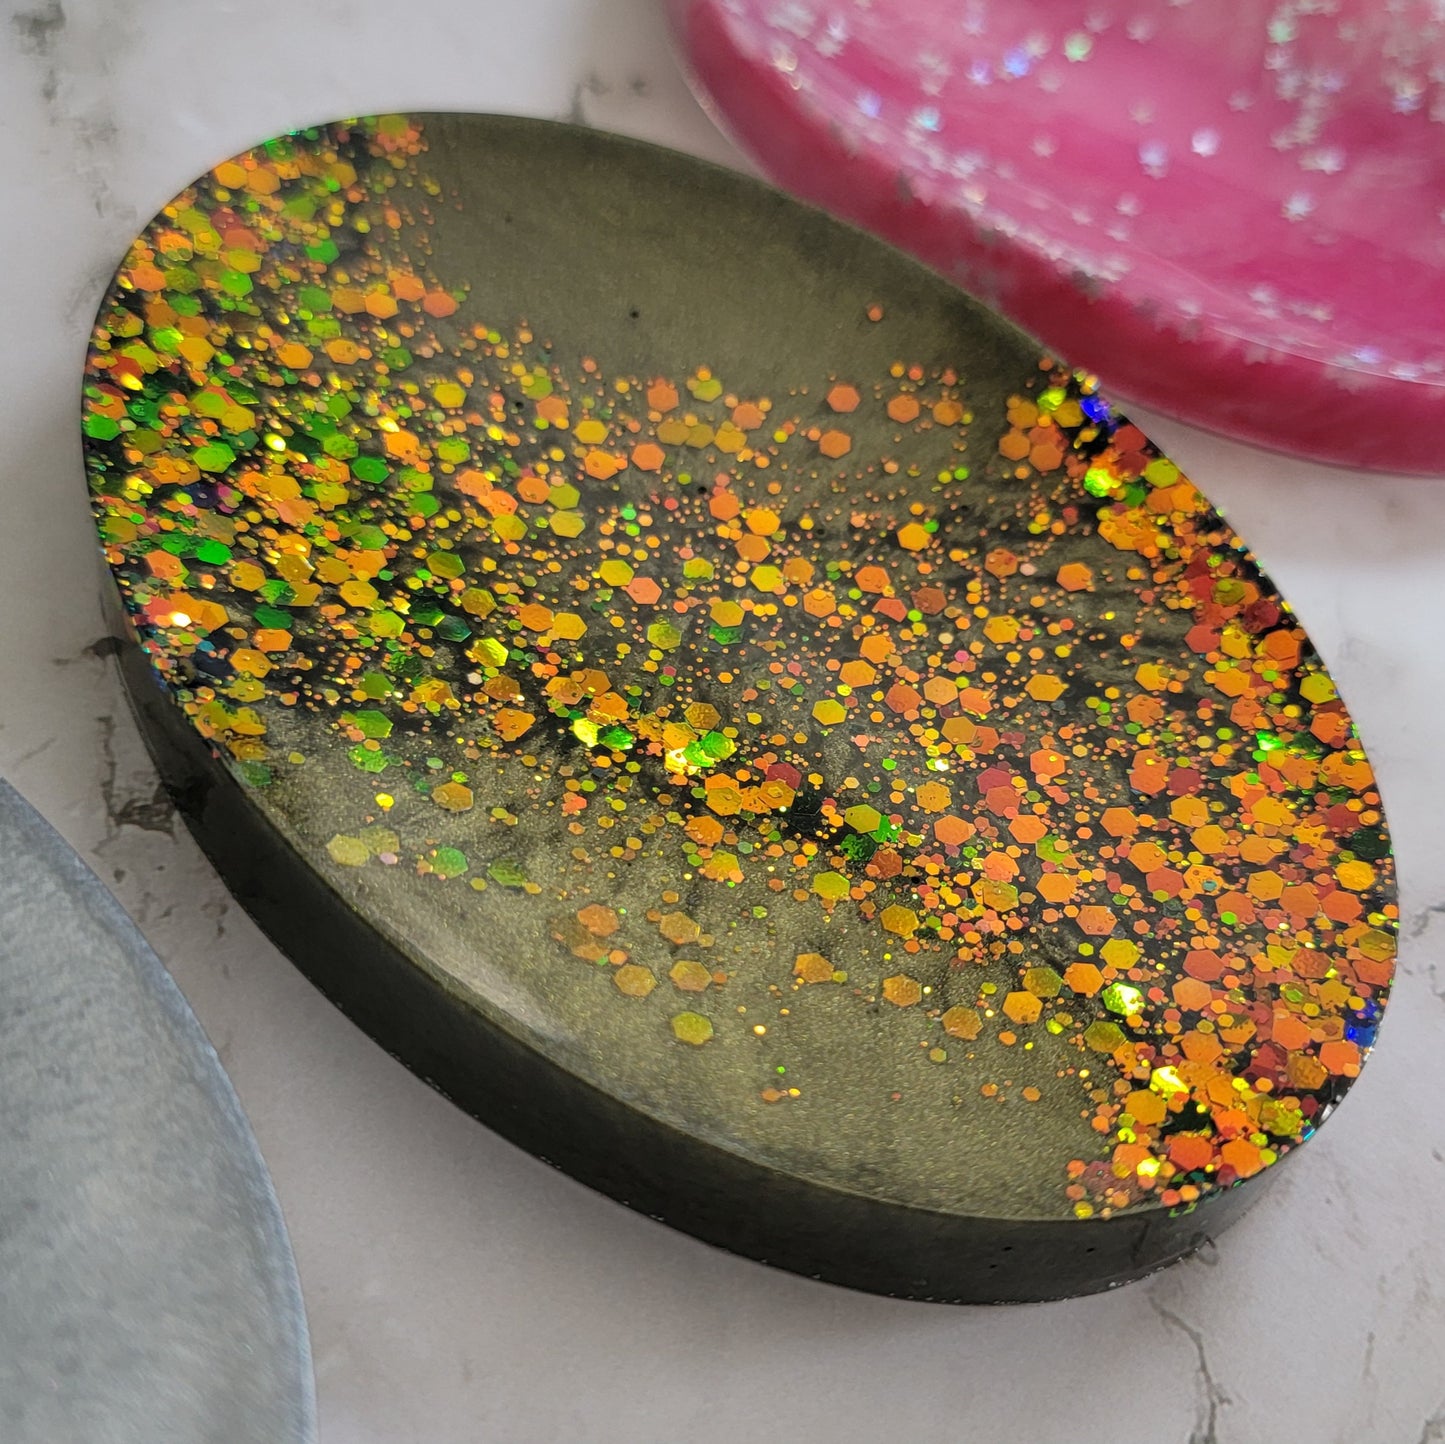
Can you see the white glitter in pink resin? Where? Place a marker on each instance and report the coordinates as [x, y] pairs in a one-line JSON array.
[[1232, 212]]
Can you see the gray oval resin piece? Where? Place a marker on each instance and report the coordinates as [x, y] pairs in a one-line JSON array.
[[149, 1295]]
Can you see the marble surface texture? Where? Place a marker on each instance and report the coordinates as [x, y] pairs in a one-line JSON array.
[[460, 1292]]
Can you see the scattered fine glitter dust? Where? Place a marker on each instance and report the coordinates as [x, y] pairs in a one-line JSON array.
[[975, 775]]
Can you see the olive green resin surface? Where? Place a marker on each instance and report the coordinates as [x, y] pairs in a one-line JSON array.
[[721, 705]]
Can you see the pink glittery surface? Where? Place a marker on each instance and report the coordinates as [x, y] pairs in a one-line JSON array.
[[1233, 213]]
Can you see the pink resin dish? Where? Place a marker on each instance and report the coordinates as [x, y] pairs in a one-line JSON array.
[[1233, 213]]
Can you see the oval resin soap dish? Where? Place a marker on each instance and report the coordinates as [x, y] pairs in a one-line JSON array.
[[719, 704]]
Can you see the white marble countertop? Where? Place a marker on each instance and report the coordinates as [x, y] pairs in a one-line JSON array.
[[460, 1292]]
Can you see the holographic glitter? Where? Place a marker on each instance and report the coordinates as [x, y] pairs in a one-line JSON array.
[[997, 724]]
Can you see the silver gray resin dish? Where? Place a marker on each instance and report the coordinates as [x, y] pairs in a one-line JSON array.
[[149, 1295]]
